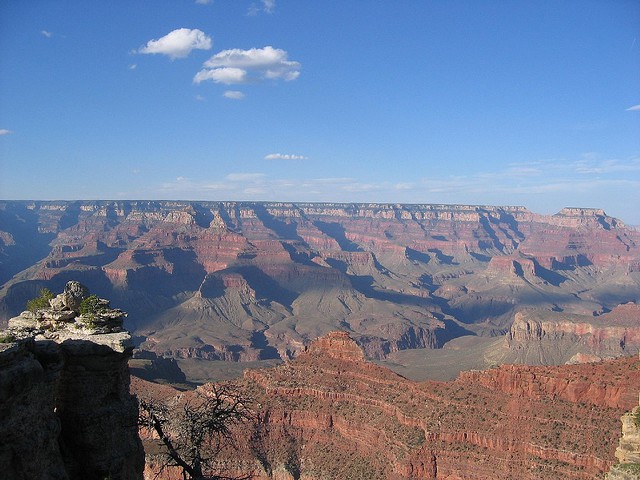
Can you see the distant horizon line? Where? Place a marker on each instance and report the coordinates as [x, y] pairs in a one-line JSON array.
[[294, 202]]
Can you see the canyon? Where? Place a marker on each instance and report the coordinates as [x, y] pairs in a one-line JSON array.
[[330, 413], [250, 281]]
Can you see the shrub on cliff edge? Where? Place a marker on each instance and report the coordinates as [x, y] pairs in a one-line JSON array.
[[7, 338], [91, 306], [42, 301]]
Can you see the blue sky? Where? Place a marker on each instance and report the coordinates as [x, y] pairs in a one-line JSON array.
[[474, 102]]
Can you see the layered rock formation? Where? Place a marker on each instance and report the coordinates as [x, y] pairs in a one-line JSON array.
[[65, 407], [253, 281], [542, 337], [331, 414], [628, 451]]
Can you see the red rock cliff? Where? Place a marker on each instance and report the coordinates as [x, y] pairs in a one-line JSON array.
[[331, 414]]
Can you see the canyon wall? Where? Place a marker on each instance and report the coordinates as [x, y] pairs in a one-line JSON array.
[[246, 281], [329, 413]]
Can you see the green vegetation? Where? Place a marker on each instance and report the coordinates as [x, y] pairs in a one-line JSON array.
[[325, 460], [7, 338], [629, 467], [91, 306], [41, 301], [415, 437]]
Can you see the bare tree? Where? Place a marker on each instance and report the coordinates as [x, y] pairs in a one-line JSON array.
[[195, 430]]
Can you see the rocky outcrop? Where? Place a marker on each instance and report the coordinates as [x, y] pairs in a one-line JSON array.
[[65, 407], [336, 345], [628, 451]]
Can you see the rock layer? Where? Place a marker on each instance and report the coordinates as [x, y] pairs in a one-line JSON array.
[[331, 414], [250, 280]]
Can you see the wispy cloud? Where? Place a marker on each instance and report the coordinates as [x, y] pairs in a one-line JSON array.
[[266, 6], [204, 2], [246, 177], [543, 186], [178, 44], [603, 167], [46, 33], [183, 185], [284, 156], [4, 131], [635, 108], [269, 5], [133, 66], [233, 95], [236, 66]]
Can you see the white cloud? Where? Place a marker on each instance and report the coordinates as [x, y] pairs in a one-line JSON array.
[[254, 191], [226, 75], [284, 156], [133, 66], [635, 108], [204, 2], [404, 186], [602, 167], [200, 98], [46, 33], [257, 58], [333, 180], [269, 5], [178, 44], [183, 185], [4, 131], [266, 6], [245, 177], [233, 95], [240, 66]]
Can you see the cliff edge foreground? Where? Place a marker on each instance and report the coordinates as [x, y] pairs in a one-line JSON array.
[[65, 407]]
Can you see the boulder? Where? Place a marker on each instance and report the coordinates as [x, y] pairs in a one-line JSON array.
[[74, 293]]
